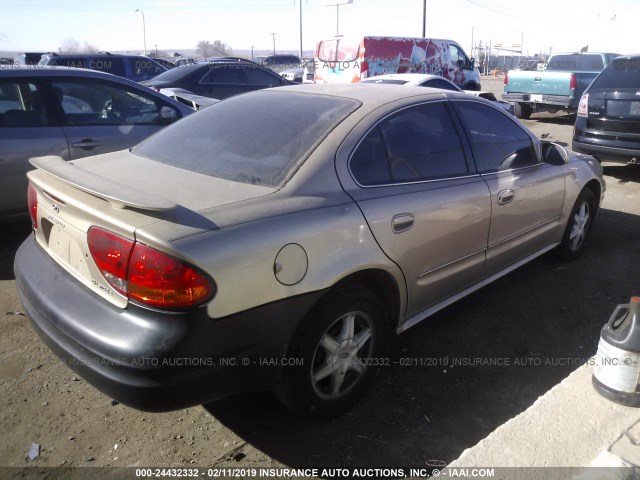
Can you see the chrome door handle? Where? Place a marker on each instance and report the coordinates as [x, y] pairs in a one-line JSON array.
[[402, 222], [86, 144], [505, 196]]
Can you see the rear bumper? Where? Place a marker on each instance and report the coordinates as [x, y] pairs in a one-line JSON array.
[[606, 153], [153, 360], [556, 100]]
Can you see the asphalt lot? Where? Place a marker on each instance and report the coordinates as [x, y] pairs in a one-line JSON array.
[[534, 327]]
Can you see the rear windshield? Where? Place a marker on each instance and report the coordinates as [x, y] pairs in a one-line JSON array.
[[178, 72], [576, 63], [621, 73], [259, 138]]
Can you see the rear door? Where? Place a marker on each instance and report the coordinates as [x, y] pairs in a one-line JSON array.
[[526, 194], [101, 116], [427, 209], [27, 129]]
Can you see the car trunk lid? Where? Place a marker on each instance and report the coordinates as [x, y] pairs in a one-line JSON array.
[[118, 193]]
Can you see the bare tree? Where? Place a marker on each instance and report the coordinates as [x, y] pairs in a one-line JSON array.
[[206, 49], [89, 48], [72, 45]]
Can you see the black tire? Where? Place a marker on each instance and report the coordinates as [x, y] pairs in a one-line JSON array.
[[342, 376], [522, 110], [579, 225]]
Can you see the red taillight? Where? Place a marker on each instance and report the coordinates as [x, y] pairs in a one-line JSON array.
[[506, 78], [583, 106], [158, 279], [156, 89], [573, 82], [364, 69], [147, 275], [32, 200], [111, 253]]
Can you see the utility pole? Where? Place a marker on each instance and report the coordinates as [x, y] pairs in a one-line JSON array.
[[274, 42], [144, 31], [424, 18], [300, 3]]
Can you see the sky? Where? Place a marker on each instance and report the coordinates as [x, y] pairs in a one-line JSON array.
[[172, 25]]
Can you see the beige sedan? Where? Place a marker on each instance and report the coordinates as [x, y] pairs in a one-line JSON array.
[[233, 252]]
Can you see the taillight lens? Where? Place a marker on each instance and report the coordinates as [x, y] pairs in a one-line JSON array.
[[583, 106], [506, 78], [573, 82], [111, 253], [158, 279], [32, 200], [147, 275]]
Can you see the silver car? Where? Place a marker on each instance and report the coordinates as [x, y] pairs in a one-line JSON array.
[[230, 252], [71, 113]]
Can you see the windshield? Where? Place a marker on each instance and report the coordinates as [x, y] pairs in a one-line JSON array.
[[259, 138], [340, 50], [576, 63], [621, 73]]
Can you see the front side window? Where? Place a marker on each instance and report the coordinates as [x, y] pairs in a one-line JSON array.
[[498, 143], [21, 104], [458, 58], [86, 102], [416, 144]]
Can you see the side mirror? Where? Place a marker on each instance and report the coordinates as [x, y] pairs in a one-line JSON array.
[[554, 154], [168, 114], [472, 64]]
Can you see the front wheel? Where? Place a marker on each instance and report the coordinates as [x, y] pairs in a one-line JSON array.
[[340, 344], [579, 225]]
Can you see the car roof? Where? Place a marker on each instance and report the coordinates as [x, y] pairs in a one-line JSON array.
[[372, 93], [412, 77], [55, 71]]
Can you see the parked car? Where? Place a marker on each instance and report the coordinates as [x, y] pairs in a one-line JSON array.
[[608, 121], [27, 58], [71, 113], [280, 63], [218, 78], [285, 254], [188, 98], [559, 88], [168, 64], [184, 61], [133, 67], [434, 81]]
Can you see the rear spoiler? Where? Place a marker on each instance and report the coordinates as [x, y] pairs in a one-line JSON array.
[[117, 194]]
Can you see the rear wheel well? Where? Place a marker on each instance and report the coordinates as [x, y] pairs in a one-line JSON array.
[[596, 188], [381, 284]]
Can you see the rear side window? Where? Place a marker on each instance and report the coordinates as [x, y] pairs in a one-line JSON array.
[[498, 143], [576, 63], [227, 74], [621, 73], [414, 145], [238, 140], [21, 104]]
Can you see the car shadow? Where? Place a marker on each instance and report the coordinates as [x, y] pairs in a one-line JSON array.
[[457, 376], [553, 119], [13, 234], [624, 173]]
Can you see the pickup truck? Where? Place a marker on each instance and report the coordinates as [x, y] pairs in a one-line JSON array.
[[558, 87]]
